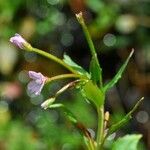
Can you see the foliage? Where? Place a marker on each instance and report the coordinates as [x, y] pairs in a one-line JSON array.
[[114, 28], [92, 87], [127, 142]]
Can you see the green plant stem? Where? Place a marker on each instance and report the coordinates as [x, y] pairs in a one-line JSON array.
[[88, 38], [51, 57], [91, 145], [63, 76], [100, 131], [90, 43]]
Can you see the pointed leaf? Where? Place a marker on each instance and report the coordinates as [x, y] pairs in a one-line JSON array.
[[93, 93], [128, 142], [119, 74], [75, 66], [119, 124], [122, 122], [95, 71]]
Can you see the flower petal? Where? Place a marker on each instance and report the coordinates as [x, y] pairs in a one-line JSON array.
[[34, 75], [18, 40], [35, 88], [31, 85]]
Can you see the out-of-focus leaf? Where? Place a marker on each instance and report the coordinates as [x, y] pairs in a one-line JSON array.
[[8, 58], [122, 122], [50, 133], [128, 142], [119, 74], [75, 66], [96, 71], [93, 93], [95, 5], [14, 142], [67, 112], [71, 117]]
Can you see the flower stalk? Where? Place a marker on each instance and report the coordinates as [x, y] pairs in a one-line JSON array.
[[63, 76], [46, 104], [100, 130], [90, 43], [51, 57], [86, 32], [20, 42]]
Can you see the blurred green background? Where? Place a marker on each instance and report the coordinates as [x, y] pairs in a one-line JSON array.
[[116, 26]]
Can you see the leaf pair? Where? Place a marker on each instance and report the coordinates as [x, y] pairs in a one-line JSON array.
[[92, 91], [96, 70]]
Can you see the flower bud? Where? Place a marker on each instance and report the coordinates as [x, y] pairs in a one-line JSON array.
[[19, 41], [48, 102], [79, 17], [106, 116]]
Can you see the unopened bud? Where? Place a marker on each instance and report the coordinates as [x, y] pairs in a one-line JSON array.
[[20, 42], [79, 17], [67, 86], [106, 116], [47, 103]]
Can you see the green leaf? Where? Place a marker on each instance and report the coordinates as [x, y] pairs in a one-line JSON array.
[[122, 122], [93, 93], [128, 142], [75, 66], [119, 74], [119, 124], [96, 71]]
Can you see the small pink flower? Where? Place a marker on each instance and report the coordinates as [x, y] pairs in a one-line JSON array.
[[35, 86], [18, 40]]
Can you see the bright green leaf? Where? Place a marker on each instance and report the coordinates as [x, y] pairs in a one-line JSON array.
[[96, 71], [128, 142], [75, 66], [122, 122], [93, 93], [119, 124], [119, 74]]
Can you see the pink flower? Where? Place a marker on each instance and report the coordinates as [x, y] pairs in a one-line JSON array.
[[35, 86], [18, 40]]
